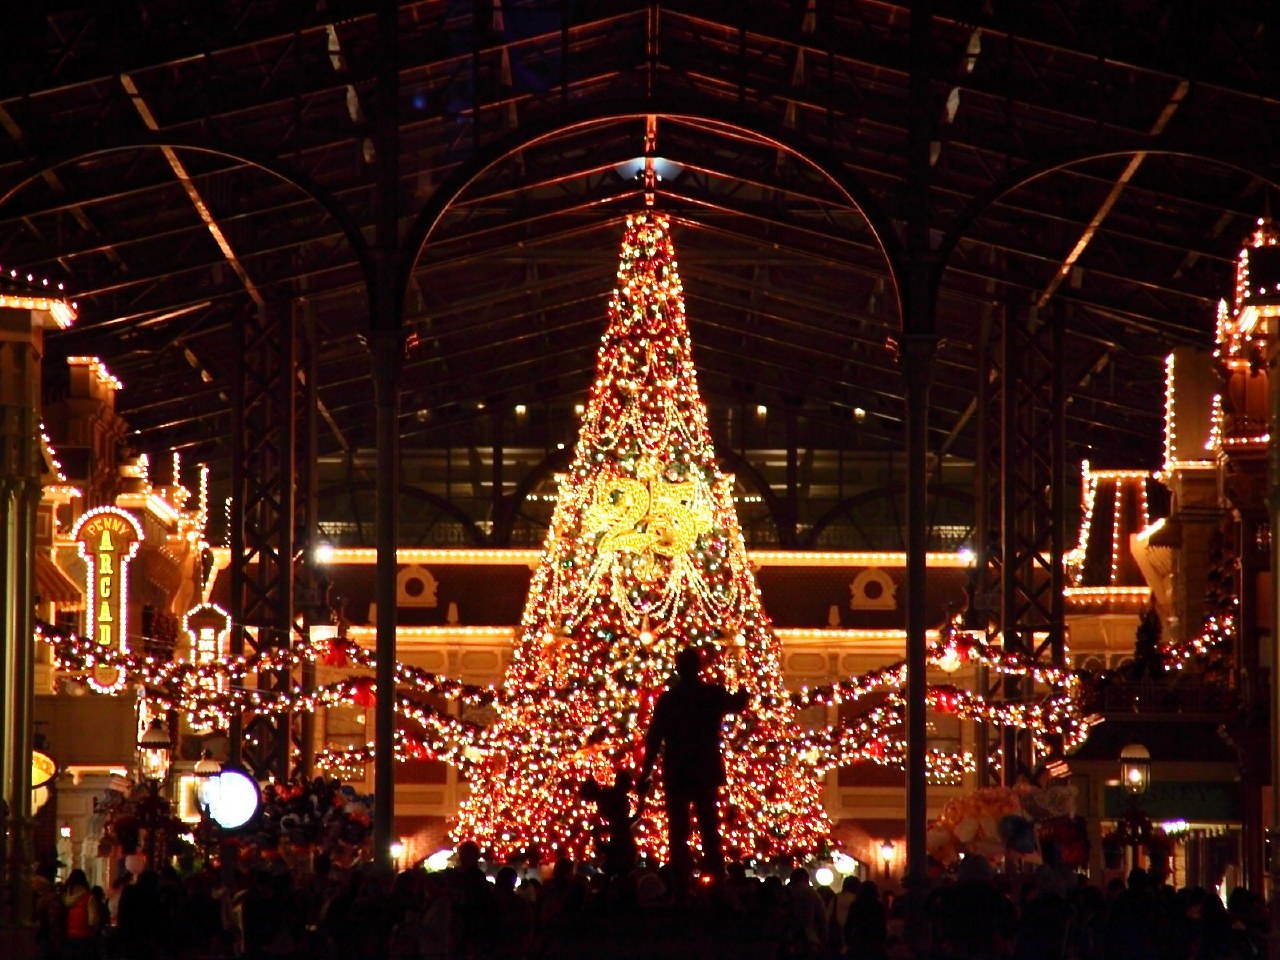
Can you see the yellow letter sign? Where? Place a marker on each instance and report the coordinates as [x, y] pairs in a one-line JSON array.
[[108, 538]]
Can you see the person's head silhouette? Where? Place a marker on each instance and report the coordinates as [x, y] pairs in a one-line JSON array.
[[688, 663]]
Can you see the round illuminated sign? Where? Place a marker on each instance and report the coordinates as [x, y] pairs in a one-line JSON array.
[[235, 801], [106, 677], [43, 769]]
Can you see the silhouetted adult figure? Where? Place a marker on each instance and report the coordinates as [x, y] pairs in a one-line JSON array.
[[1134, 925], [48, 916], [514, 915], [475, 910], [973, 919], [140, 928], [807, 921], [82, 919], [686, 732], [1044, 917], [866, 926]]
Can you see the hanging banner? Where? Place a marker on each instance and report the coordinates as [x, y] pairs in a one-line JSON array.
[[108, 539]]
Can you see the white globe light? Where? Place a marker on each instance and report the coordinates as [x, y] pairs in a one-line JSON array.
[[948, 660], [208, 789], [235, 801], [844, 863], [439, 860], [824, 876]]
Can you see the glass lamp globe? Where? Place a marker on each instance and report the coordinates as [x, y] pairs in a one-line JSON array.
[[1135, 769]]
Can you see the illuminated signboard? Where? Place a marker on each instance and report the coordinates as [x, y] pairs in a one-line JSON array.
[[207, 627], [43, 769], [108, 538]]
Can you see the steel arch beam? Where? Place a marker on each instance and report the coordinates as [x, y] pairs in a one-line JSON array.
[[268, 165], [417, 241]]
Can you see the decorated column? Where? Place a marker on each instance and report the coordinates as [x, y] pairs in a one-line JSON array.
[[24, 315]]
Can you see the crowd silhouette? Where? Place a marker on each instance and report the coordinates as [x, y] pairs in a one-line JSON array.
[[622, 907], [466, 912]]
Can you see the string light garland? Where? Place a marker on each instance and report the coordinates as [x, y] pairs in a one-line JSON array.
[[46, 446], [525, 557], [20, 291], [1074, 559], [215, 691], [1238, 350]]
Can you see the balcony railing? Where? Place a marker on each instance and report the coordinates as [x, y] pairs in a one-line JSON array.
[[1179, 698]]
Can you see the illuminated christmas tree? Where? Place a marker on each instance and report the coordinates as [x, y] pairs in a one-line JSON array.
[[644, 556]]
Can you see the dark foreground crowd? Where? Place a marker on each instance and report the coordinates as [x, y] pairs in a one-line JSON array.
[[461, 914]]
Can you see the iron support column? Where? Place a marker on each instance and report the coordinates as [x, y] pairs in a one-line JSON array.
[[917, 353], [262, 526], [387, 345], [304, 567], [1272, 866], [386, 367], [917, 361], [987, 557], [791, 412], [501, 523], [1032, 527]]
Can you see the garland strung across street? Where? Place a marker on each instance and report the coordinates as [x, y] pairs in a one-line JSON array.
[[874, 738], [185, 686]]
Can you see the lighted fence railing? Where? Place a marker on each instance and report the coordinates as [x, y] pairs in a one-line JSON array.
[[1180, 695]]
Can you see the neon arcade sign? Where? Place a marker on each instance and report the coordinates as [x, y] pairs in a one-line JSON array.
[[108, 539]]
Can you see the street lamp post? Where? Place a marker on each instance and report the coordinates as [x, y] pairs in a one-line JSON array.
[[1135, 777], [208, 773], [1135, 769], [886, 855], [155, 748]]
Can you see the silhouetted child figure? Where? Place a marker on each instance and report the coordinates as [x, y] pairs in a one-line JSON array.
[[614, 803]]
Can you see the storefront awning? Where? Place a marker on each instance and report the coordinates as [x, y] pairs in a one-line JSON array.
[[54, 586]]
